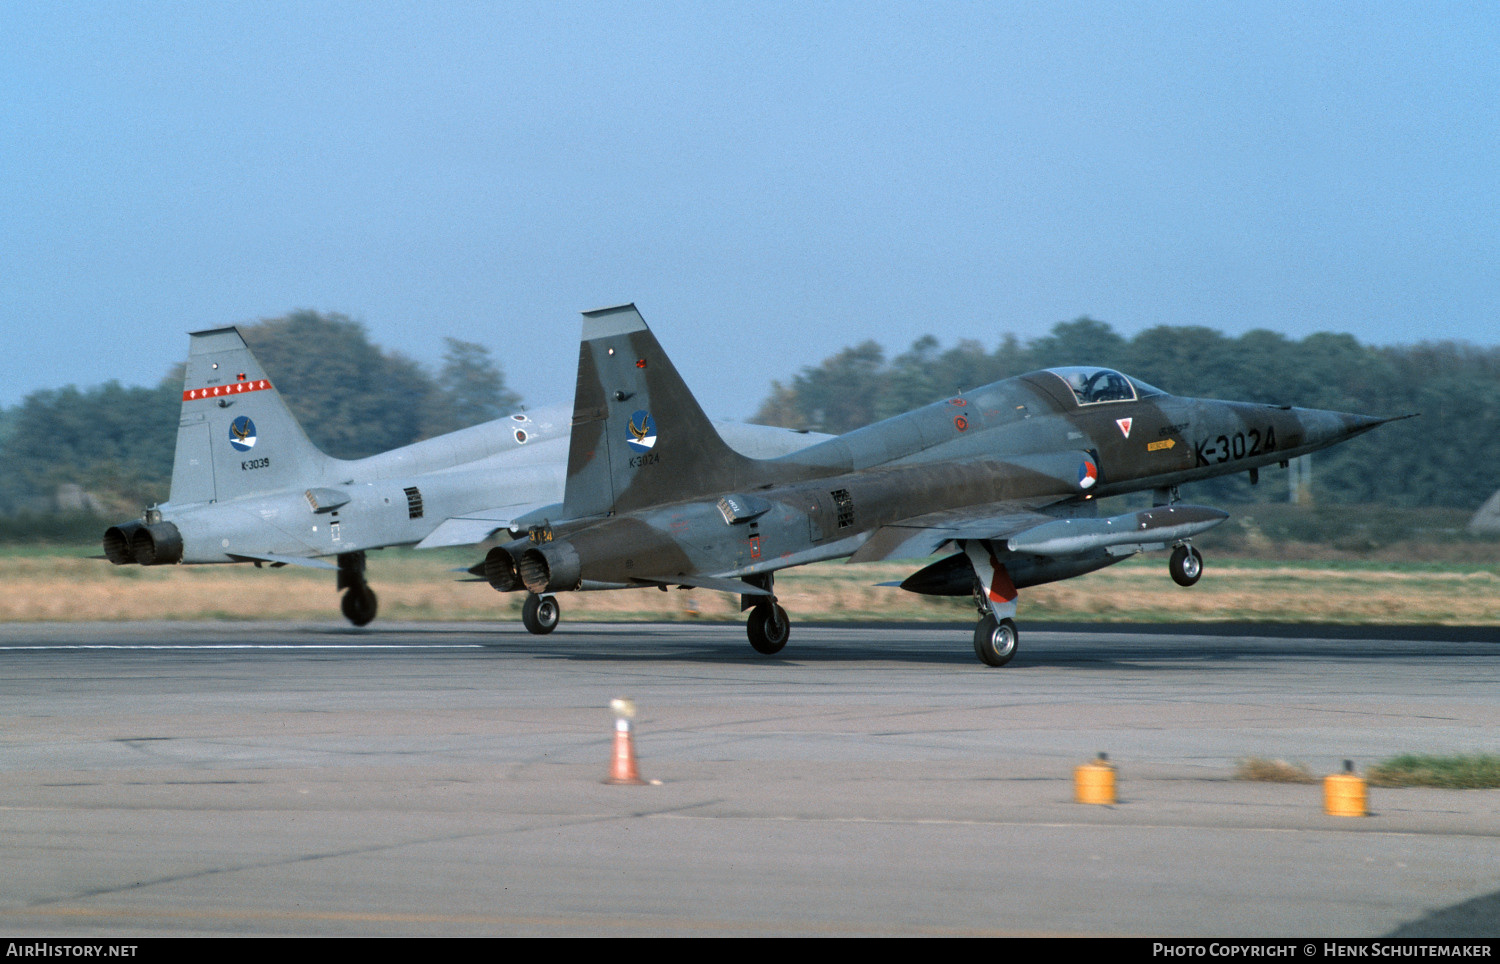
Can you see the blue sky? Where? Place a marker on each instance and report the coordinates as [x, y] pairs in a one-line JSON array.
[[769, 182]]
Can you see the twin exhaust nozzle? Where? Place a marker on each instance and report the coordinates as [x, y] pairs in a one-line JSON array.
[[136, 543], [551, 567]]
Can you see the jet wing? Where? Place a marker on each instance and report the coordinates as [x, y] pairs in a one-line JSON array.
[[1033, 529], [924, 535], [475, 527], [307, 561], [706, 582]]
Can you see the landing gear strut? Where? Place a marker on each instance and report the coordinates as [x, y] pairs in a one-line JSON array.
[[359, 603], [995, 638], [768, 626], [540, 614], [1186, 565]]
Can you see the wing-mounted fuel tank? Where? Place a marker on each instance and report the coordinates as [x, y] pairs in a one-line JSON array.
[[1129, 533], [1064, 548]]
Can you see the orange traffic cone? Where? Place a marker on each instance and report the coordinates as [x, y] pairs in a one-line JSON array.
[[622, 770]]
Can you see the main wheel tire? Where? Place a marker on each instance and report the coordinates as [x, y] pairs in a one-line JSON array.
[[359, 605], [996, 641], [540, 614], [768, 628], [1186, 565]]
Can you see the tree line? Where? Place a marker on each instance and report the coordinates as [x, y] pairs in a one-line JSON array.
[[111, 446]]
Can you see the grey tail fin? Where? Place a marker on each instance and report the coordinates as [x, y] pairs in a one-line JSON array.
[[639, 438], [236, 436]]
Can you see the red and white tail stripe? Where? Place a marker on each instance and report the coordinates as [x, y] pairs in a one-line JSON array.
[[218, 391]]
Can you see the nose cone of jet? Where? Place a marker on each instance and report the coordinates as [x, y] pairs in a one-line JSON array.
[[1323, 428]]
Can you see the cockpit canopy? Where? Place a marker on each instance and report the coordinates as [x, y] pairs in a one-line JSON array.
[[1092, 386]]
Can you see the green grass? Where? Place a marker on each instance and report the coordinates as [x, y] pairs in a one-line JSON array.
[[1460, 772], [1262, 770]]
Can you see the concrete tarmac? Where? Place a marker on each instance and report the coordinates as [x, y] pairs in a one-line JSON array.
[[446, 779]]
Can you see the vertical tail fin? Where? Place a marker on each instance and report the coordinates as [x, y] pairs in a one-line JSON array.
[[236, 437], [639, 436]]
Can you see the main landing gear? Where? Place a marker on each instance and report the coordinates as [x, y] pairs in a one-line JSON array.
[[540, 614], [996, 640], [768, 626], [359, 603]]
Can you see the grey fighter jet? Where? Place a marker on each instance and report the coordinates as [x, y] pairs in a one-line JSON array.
[[1005, 480], [248, 485]]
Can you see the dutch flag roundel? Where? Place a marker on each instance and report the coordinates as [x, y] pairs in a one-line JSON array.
[[1088, 474]]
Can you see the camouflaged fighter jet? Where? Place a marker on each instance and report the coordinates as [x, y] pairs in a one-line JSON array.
[[248, 485], [1005, 478]]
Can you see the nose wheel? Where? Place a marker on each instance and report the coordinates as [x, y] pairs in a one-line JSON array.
[[1186, 565]]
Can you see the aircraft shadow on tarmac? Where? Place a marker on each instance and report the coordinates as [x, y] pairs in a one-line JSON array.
[[1093, 646]]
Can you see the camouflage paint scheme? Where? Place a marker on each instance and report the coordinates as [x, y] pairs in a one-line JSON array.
[[248, 485], [1005, 477]]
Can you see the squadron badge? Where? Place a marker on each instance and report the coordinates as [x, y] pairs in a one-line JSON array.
[[642, 431], [242, 434]]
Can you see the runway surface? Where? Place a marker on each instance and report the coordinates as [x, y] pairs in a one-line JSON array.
[[415, 779]]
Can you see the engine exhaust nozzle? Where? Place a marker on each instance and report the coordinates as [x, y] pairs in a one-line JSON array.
[[159, 544], [553, 567]]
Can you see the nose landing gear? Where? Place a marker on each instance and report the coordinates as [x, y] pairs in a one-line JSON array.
[[1186, 565]]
